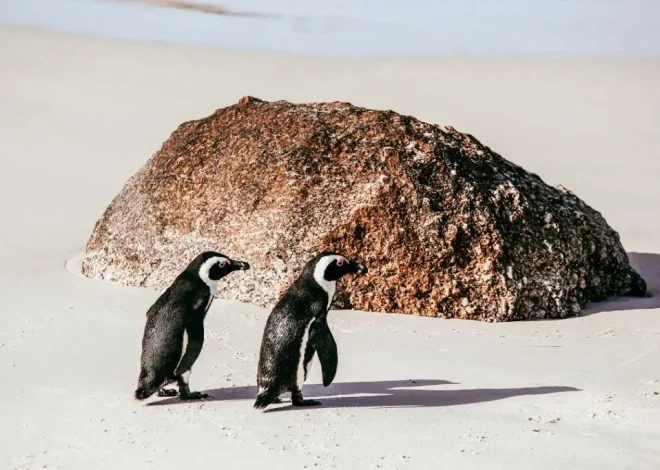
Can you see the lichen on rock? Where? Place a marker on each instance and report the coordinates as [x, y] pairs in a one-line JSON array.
[[447, 227]]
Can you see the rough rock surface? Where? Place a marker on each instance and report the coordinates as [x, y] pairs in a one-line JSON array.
[[447, 227]]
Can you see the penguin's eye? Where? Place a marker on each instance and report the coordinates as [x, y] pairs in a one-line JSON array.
[[223, 263], [340, 262]]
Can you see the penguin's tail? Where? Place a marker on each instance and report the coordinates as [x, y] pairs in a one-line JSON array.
[[142, 393], [147, 386], [265, 398], [261, 402]]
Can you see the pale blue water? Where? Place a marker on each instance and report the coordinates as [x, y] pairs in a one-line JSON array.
[[373, 28]]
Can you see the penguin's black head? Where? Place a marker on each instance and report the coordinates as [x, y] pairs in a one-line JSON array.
[[330, 266], [211, 266]]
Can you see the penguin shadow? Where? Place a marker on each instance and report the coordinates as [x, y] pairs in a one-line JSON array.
[[381, 394], [648, 266]]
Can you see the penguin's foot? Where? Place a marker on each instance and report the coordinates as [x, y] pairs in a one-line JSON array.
[[302, 402], [167, 392], [193, 396], [276, 401]]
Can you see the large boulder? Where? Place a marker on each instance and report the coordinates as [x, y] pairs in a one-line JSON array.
[[446, 226]]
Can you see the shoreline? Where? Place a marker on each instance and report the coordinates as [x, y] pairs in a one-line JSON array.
[[196, 7], [553, 30], [266, 54]]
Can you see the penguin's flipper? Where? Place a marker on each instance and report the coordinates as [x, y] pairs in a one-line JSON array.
[[324, 344], [195, 332]]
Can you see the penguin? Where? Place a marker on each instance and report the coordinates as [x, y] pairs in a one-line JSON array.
[[179, 312], [297, 328]]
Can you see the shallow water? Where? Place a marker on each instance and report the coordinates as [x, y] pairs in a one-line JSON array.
[[372, 28]]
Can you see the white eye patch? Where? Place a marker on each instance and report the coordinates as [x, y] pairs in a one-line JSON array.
[[206, 267], [319, 275]]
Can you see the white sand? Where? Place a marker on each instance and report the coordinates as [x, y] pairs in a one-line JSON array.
[[79, 116]]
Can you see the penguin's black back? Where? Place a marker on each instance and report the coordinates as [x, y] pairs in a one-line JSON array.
[[184, 302], [281, 344]]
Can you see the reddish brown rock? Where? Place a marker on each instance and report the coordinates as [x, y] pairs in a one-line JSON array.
[[447, 227]]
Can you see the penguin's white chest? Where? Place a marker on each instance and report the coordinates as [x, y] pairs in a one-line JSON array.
[[185, 346], [330, 290], [300, 374], [212, 290]]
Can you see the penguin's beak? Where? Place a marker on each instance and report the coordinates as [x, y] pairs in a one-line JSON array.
[[361, 269], [240, 265]]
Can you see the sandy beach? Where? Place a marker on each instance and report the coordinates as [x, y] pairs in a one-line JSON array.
[[79, 115]]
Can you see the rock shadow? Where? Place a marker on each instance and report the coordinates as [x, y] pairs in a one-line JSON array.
[[382, 394], [648, 266]]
